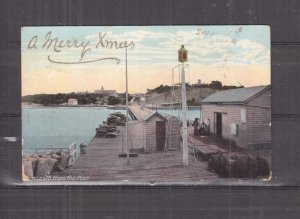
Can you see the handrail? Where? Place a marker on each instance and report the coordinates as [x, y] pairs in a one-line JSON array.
[[73, 153]]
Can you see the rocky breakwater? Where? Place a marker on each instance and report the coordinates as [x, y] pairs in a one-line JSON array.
[[41, 165]]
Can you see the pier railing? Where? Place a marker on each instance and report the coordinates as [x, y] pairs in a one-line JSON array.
[[71, 150], [73, 153]]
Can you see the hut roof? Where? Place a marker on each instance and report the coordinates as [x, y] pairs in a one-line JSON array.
[[168, 117], [237, 96], [149, 116]]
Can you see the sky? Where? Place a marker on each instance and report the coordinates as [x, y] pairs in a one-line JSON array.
[[233, 54]]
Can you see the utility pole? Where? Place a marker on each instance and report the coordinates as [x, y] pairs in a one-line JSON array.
[[182, 57], [126, 129]]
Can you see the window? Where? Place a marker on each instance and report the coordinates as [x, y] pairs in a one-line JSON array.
[[233, 128], [243, 116]]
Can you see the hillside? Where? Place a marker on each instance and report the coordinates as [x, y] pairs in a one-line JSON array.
[[194, 95]]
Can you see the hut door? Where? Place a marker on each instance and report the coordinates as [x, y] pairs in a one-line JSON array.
[[219, 124], [160, 135]]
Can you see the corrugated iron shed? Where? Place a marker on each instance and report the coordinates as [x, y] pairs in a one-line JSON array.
[[237, 96]]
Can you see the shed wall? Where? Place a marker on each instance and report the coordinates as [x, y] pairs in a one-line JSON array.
[[230, 114], [151, 133], [259, 125], [255, 131], [262, 100], [259, 120]]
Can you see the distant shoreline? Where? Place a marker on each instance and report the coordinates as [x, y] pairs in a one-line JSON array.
[[26, 105]]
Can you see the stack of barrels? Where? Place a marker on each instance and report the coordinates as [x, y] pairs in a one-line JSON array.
[[239, 165], [109, 127]]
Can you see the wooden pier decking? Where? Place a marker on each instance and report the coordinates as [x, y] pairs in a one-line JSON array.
[[139, 112], [102, 163], [201, 149]]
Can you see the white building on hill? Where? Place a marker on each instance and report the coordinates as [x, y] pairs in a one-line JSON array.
[[72, 102], [107, 93]]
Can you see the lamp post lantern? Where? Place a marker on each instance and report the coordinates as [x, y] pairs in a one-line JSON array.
[[182, 57], [182, 54]]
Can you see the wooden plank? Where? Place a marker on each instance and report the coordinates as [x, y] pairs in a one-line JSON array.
[[204, 150], [139, 112], [102, 163]]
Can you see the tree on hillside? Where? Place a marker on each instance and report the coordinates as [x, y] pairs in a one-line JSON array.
[[216, 85], [160, 89], [226, 87], [191, 102], [113, 100]]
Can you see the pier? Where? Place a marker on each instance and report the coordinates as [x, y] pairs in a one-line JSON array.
[[138, 112], [102, 162]]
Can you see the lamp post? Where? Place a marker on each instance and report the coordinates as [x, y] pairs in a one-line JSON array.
[[182, 57]]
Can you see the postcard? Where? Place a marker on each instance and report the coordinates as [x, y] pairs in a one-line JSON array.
[[146, 104]]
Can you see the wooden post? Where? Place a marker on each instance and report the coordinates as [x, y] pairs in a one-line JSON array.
[[184, 118], [127, 146]]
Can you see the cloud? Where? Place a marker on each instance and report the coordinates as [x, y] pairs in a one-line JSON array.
[[153, 46], [201, 49], [211, 57]]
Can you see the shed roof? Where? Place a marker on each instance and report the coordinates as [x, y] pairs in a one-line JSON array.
[[237, 96], [150, 115]]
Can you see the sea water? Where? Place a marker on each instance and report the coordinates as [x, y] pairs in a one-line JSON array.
[[192, 113], [58, 127]]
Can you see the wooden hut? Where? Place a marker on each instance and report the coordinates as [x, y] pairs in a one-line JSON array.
[[161, 133], [241, 115], [155, 132]]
